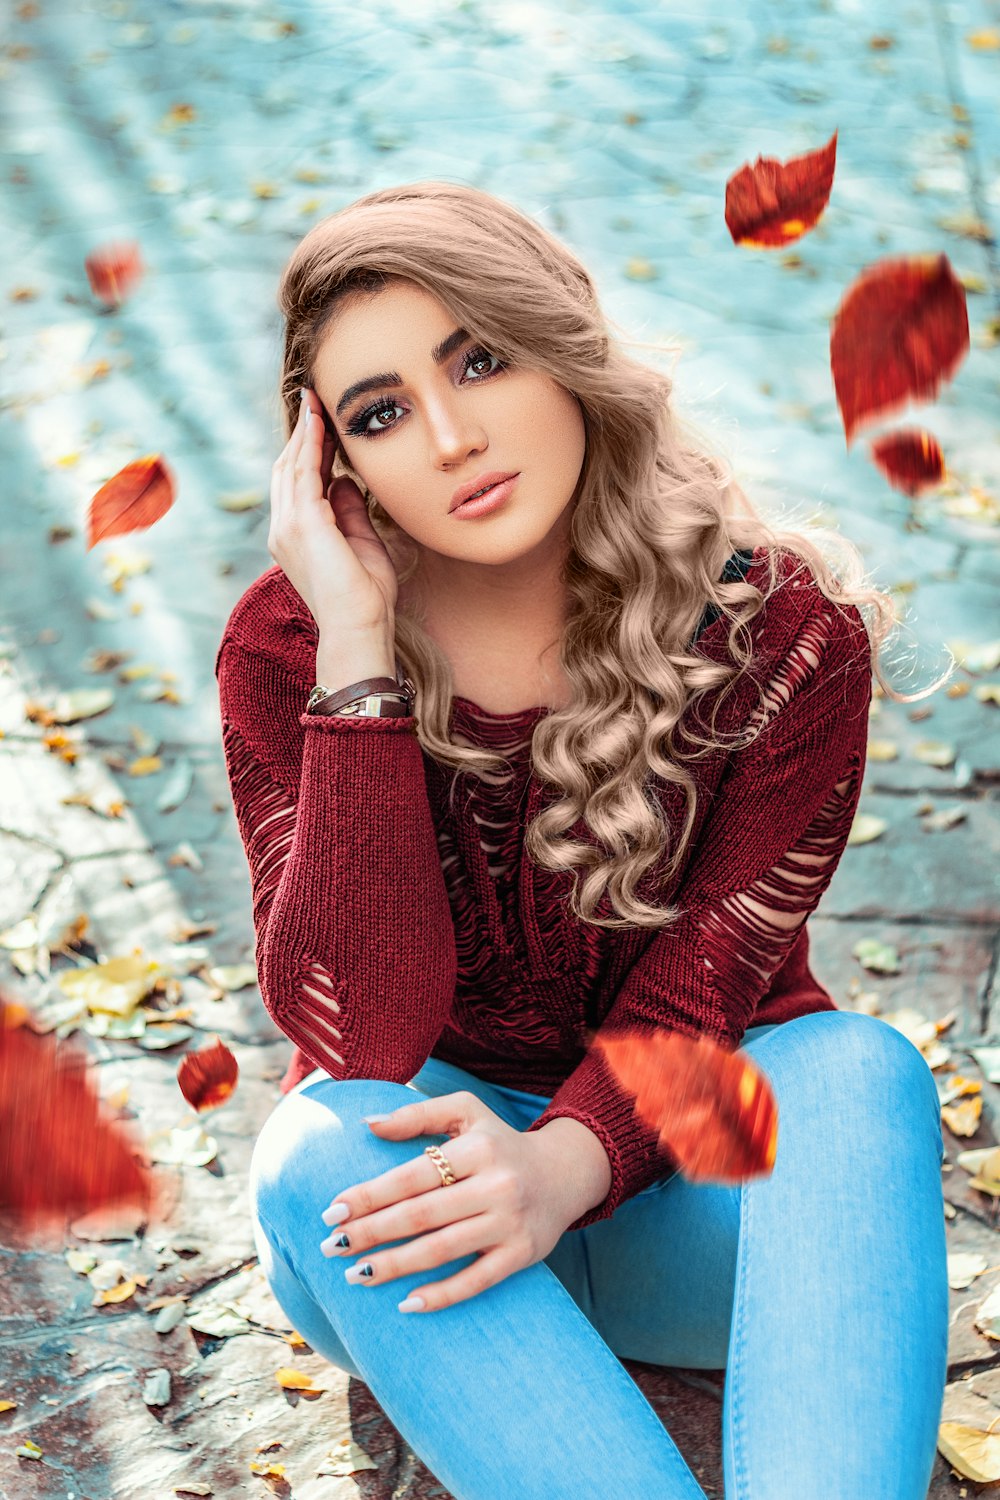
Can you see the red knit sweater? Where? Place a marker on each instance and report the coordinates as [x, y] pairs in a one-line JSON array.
[[392, 925]]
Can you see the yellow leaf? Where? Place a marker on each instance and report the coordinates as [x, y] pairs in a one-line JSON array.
[[976, 656], [7, 1405], [145, 765], [233, 976], [957, 1084], [296, 1380], [84, 703], [115, 985], [963, 1119], [865, 828], [988, 1185], [267, 1471], [295, 1340], [985, 40], [240, 500], [119, 1293], [81, 1261], [964, 1268], [990, 1167], [167, 1300], [940, 822], [977, 504], [178, 114], [972, 1451], [934, 752], [182, 1146], [345, 1458]]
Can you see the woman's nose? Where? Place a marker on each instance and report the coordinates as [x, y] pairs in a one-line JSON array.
[[453, 434]]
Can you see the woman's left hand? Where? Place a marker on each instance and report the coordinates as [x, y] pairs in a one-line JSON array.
[[508, 1202]]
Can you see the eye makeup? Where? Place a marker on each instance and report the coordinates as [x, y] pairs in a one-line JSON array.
[[357, 426]]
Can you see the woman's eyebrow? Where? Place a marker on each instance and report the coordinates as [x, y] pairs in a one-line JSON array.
[[439, 354]]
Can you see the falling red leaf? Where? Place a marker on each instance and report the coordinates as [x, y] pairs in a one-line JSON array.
[[713, 1109], [911, 459], [902, 329], [114, 271], [207, 1077], [131, 500], [772, 203], [61, 1154]]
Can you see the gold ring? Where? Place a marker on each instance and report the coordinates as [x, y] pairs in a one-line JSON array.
[[442, 1163]]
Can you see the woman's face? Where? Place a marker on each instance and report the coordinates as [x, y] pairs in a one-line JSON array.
[[418, 432]]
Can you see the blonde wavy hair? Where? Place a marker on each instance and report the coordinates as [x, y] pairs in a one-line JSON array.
[[653, 525]]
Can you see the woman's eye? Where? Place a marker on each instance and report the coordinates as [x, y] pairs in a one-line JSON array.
[[380, 411], [478, 356], [360, 427]]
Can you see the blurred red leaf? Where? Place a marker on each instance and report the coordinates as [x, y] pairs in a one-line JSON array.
[[773, 203], [207, 1077], [911, 459], [131, 500], [61, 1154], [902, 329], [114, 271], [712, 1108]]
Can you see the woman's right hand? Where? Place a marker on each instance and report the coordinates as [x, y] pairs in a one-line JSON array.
[[328, 548]]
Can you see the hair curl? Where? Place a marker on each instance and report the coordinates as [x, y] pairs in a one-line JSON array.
[[655, 520]]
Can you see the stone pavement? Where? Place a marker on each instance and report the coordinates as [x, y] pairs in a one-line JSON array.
[[216, 132]]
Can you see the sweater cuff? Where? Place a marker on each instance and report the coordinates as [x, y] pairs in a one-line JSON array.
[[353, 723], [592, 1095]]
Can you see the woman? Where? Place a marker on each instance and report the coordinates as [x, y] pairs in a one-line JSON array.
[[419, 703]]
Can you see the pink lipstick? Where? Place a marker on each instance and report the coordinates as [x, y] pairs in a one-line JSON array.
[[483, 505]]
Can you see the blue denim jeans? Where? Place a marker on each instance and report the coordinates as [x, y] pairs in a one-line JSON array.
[[821, 1289]]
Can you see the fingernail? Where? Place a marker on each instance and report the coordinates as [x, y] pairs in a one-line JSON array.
[[359, 1273], [336, 1214], [411, 1304], [370, 1119], [333, 1245]]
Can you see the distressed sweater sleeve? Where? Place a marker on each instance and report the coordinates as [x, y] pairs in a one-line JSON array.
[[768, 849], [355, 946]]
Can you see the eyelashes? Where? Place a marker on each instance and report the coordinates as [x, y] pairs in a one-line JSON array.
[[357, 427]]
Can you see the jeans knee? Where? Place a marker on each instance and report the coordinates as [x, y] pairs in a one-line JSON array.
[[884, 1060], [314, 1144]]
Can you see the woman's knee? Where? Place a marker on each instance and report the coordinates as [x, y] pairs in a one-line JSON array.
[[870, 1045], [314, 1144], [869, 1053]]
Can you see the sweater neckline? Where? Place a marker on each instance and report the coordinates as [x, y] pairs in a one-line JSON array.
[[736, 568]]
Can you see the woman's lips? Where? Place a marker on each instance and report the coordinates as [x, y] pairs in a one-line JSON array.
[[484, 504]]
